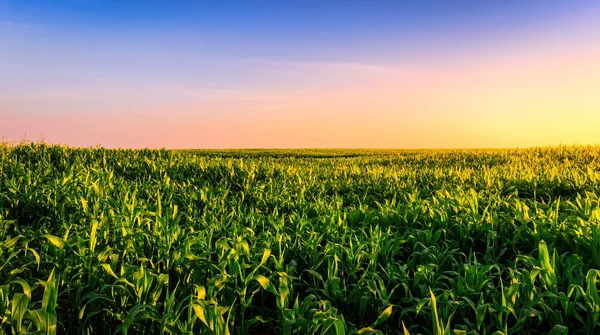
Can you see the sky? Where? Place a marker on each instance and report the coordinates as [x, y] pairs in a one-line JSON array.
[[300, 74]]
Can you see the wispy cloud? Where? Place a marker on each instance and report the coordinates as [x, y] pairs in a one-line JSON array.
[[216, 95], [351, 67]]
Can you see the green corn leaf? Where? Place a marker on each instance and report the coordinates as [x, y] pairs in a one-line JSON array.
[[93, 235], [200, 313], [109, 270], [383, 316], [404, 330], [559, 330], [25, 286], [263, 281], [437, 328], [265, 257], [369, 331], [19, 307], [340, 327], [56, 241]]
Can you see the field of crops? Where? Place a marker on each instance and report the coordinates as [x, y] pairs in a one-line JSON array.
[[98, 241]]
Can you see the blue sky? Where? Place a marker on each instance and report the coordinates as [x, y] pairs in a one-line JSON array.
[[314, 30]]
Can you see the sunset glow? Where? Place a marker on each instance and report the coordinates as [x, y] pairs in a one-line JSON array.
[[262, 74]]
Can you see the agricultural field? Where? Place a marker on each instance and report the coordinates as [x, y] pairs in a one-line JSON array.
[[98, 241]]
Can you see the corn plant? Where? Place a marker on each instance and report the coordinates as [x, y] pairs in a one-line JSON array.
[[113, 241]]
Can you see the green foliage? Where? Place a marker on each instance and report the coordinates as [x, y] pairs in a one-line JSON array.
[[101, 241]]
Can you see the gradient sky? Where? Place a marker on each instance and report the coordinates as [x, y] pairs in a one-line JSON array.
[[224, 74]]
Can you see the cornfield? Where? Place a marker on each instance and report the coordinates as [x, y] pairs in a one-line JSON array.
[[99, 241]]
